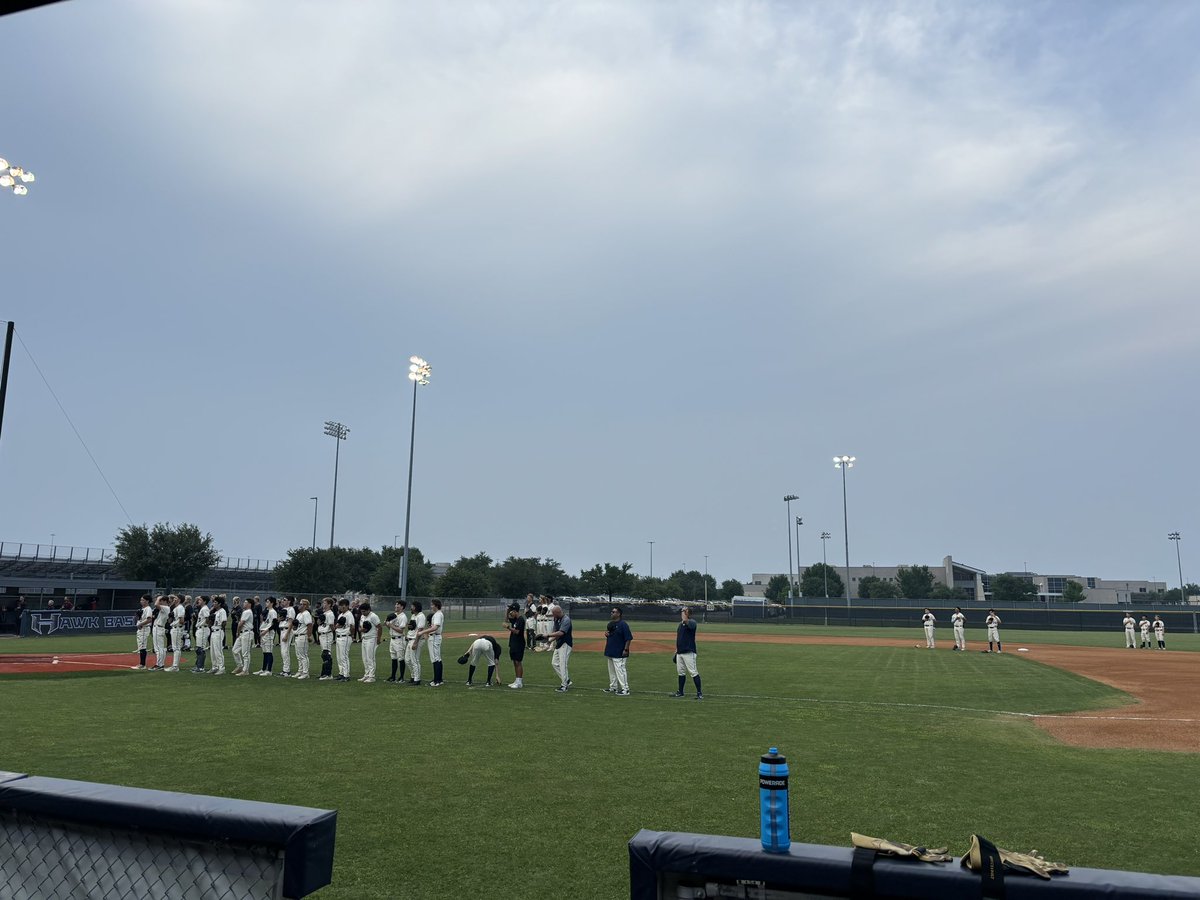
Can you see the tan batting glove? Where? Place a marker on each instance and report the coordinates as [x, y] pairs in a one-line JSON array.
[[1031, 862], [895, 848]]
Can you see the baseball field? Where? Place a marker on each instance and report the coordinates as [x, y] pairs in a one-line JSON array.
[[1086, 751]]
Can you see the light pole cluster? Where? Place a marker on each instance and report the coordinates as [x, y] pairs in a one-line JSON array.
[[14, 177], [338, 432], [844, 463], [788, 498], [418, 374]]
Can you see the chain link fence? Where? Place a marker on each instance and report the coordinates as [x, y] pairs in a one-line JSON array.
[[46, 859]]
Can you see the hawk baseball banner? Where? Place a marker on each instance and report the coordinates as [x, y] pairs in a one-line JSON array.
[[42, 623]]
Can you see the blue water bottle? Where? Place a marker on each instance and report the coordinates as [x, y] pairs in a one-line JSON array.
[[773, 802]]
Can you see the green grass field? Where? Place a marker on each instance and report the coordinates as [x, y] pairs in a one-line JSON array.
[[456, 792]]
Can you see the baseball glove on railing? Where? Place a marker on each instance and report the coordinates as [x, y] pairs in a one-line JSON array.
[[1031, 862], [895, 848]]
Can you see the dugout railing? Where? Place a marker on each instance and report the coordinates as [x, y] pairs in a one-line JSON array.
[[679, 866], [76, 839]]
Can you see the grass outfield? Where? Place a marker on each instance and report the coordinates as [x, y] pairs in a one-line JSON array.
[[528, 793]]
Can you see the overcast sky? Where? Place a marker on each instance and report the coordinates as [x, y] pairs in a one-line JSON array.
[[666, 260]]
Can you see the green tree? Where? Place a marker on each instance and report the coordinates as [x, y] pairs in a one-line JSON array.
[[777, 588], [1073, 592], [170, 557], [608, 579], [916, 582], [650, 589], [812, 581], [468, 576], [1172, 597], [731, 588], [875, 588], [386, 577], [690, 585], [1012, 589], [521, 575], [328, 570], [942, 592]]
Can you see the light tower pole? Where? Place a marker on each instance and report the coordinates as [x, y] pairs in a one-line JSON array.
[[844, 463], [338, 432], [418, 374], [825, 535], [788, 498], [651, 543], [316, 503], [1174, 536], [799, 522]]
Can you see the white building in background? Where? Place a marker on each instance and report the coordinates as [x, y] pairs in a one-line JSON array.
[[976, 583]]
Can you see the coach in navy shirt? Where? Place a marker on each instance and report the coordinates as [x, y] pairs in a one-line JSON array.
[[685, 653], [563, 642], [616, 651]]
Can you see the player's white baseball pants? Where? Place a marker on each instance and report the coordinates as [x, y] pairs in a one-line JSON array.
[[618, 676], [143, 635], [686, 663], [176, 646], [560, 661], [396, 650], [301, 658], [434, 642], [929, 636], [285, 654], [216, 649], [242, 645], [202, 638], [1159, 635], [343, 655], [266, 641], [960, 640], [412, 657], [993, 634], [369, 646], [1146, 637], [1129, 638], [160, 645]]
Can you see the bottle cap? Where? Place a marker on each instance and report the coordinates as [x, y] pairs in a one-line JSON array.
[[773, 757]]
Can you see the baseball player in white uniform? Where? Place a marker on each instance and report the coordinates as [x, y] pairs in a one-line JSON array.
[[1130, 623], [993, 631], [145, 618], [216, 637], [927, 621], [243, 638], [287, 624], [1144, 625], [371, 635], [1160, 631], [178, 610], [343, 633], [433, 635], [266, 637], [959, 622], [486, 648], [396, 627], [325, 621], [416, 640], [301, 634], [162, 613], [203, 616], [543, 627]]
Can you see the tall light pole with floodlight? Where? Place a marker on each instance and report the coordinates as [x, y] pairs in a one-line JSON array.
[[844, 463], [418, 374], [338, 432], [316, 503], [1174, 536], [788, 498], [825, 535]]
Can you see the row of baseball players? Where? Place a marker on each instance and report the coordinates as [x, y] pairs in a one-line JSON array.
[[1159, 626], [959, 623], [294, 626]]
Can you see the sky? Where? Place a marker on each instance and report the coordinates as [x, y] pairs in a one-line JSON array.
[[665, 260]]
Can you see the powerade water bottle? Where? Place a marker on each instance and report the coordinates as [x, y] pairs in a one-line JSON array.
[[773, 802]]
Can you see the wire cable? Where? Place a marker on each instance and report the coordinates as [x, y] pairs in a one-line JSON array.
[[63, 409]]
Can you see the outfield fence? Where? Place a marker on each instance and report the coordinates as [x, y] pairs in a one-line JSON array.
[[75, 839]]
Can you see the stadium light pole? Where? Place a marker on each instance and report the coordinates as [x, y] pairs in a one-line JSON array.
[[706, 581], [338, 432], [418, 374], [316, 503], [651, 543], [1174, 536], [15, 177], [799, 522], [8, 339], [844, 463], [825, 535], [788, 498]]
